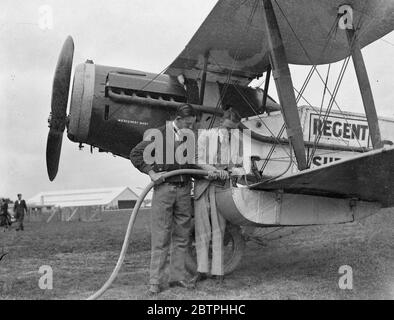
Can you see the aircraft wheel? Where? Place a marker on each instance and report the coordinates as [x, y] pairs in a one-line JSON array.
[[234, 245]]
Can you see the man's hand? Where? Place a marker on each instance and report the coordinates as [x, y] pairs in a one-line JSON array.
[[212, 175], [156, 176], [222, 174]]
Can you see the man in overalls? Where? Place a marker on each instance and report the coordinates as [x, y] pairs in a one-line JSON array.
[[171, 206]]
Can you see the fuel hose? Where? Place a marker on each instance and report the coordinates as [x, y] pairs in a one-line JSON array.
[[133, 216]]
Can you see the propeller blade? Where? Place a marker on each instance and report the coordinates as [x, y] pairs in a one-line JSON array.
[[54, 146], [58, 116]]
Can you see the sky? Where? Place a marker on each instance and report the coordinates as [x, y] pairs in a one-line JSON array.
[[137, 34]]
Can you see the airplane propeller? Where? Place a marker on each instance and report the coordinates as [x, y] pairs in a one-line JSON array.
[[58, 117]]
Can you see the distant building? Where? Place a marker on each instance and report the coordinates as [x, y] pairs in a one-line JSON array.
[[83, 204], [108, 198]]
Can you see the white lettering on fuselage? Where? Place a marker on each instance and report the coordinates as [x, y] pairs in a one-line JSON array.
[[141, 123]]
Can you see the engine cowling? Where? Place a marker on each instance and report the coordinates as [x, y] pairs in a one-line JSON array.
[[112, 107]]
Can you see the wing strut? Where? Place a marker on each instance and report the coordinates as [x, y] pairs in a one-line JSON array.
[[284, 84], [266, 87], [204, 78], [365, 89]]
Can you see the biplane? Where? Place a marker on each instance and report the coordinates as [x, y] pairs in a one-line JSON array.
[[309, 165]]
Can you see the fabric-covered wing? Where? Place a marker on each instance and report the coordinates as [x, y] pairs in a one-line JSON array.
[[369, 177], [233, 34]]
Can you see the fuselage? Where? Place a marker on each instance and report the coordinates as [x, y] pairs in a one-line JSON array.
[[112, 107]]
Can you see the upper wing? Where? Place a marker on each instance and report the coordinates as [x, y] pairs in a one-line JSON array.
[[368, 177], [234, 35]]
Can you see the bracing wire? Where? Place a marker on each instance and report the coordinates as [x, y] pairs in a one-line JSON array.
[[331, 103], [232, 68], [308, 56], [306, 82], [319, 111], [261, 119], [333, 96], [304, 86]]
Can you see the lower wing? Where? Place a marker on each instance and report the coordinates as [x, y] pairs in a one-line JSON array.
[[368, 177]]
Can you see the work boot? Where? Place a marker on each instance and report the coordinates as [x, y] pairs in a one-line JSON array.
[[182, 284], [154, 289], [200, 276]]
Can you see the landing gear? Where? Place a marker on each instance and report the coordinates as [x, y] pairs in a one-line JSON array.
[[234, 245]]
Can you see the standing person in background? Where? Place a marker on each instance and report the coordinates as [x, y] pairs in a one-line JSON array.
[[5, 219], [20, 209]]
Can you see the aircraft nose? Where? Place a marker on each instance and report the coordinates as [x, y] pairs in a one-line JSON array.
[[81, 103]]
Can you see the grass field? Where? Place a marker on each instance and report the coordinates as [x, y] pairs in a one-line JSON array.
[[303, 265]]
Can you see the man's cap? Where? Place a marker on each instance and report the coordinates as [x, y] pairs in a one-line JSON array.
[[185, 110], [19, 194]]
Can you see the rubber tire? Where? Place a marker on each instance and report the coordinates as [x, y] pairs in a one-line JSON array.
[[232, 231]]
